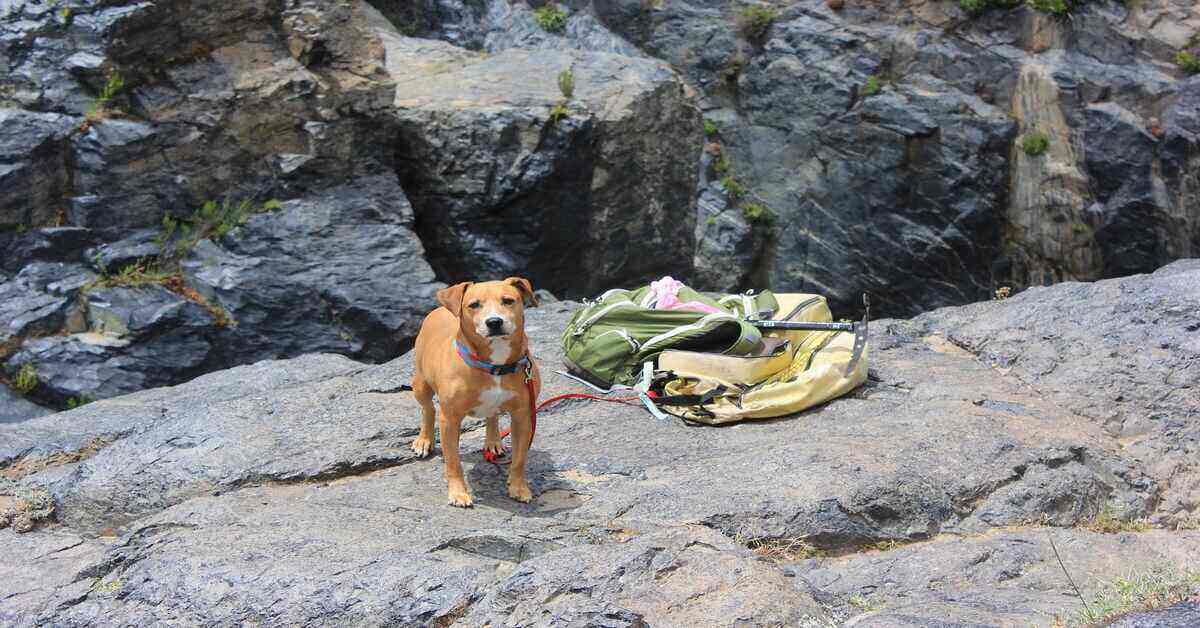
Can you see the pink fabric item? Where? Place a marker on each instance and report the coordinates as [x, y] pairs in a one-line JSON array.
[[666, 295]]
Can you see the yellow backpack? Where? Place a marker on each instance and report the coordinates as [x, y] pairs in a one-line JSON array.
[[791, 371]]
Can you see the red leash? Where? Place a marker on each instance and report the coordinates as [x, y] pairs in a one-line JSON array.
[[534, 407]]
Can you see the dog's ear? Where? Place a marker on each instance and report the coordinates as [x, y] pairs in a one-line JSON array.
[[451, 298], [522, 284]]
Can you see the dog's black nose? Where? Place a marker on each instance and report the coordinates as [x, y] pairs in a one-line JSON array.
[[495, 324]]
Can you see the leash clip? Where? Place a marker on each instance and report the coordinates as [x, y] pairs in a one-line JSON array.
[[528, 371]]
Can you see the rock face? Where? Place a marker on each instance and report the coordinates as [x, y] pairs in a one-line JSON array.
[[503, 185], [915, 151], [119, 116], [285, 493], [888, 139]]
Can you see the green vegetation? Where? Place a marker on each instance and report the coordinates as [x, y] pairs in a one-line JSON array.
[[566, 83], [213, 220], [1187, 62], [733, 188], [872, 87], [551, 18], [721, 165], [710, 221], [1053, 7], [755, 21], [1056, 7], [26, 379], [557, 113], [710, 128], [78, 402], [178, 236], [757, 212], [1142, 591], [112, 87], [1035, 143], [1111, 521], [141, 273]]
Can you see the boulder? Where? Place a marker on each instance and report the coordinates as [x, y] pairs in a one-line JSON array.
[[341, 271], [488, 165], [932, 493]]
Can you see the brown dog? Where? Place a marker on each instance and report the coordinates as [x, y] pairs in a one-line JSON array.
[[484, 324]]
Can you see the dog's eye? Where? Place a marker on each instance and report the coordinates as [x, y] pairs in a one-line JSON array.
[[508, 301], [474, 305]]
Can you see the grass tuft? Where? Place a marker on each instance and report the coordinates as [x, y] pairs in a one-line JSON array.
[[26, 379], [1110, 521], [1139, 592]]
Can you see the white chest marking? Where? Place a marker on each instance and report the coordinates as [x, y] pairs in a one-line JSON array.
[[490, 400], [501, 350]]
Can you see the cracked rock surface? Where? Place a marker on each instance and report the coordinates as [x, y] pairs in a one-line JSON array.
[[284, 492]]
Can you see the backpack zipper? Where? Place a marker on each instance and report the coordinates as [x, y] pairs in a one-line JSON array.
[[584, 325]]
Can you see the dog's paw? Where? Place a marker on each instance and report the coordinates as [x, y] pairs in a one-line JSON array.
[[422, 446], [496, 448], [460, 498], [520, 491]]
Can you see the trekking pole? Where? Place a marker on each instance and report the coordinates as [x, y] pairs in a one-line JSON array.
[[794, 326]]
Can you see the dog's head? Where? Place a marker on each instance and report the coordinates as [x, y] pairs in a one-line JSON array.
[[489, 310]]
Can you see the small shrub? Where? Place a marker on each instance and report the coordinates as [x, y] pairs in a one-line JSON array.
[[710, 128], [872, 87], [733, 188], [551, 18], [757, 213], [1035, 143], [26, 379], [566, 84], [1187, 62], [755, 21]]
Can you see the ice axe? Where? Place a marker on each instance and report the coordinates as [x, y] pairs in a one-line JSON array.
[[859, 330]]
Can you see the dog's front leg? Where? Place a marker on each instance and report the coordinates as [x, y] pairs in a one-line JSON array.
[[451, 426], [491, 439], [518, 486]]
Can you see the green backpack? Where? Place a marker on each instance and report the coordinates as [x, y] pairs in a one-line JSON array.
[[606, 342]]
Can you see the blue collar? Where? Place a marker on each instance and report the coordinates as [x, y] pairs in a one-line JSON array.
[[494, 369]]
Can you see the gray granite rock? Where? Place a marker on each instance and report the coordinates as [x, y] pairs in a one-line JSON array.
[[929, 495]]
